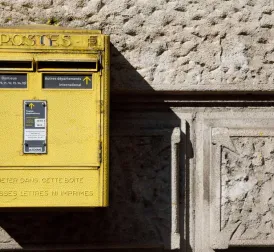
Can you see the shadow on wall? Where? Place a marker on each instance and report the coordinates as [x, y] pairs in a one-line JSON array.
[[139, 214]]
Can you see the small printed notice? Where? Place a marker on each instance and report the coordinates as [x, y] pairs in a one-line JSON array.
[[35, 131], [40, 123], [13, 80], [67, 81]]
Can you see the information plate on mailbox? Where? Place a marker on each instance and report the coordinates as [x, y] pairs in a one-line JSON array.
[[13, 81], [67, 81], [35, 127]]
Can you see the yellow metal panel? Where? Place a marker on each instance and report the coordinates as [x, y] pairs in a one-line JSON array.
[[73, 126], [23, 187], [105, 123], [77, 122]]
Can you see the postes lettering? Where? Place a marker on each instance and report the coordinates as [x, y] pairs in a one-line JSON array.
[[54, 40]]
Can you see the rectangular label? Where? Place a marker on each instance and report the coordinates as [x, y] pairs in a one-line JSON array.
[[35, 132], [67, 81], [40, 123], [13, 80]]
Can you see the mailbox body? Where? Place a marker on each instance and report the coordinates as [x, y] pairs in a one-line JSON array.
[[54, 98]]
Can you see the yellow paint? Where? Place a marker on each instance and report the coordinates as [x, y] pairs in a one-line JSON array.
[[41, 187], [77, 123], [50, 38]]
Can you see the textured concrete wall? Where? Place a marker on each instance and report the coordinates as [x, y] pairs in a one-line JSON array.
[[174, 45], [163, 51]]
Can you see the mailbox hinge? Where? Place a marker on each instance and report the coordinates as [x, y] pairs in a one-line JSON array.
[[100, 152], [100, 63], [101, 106]]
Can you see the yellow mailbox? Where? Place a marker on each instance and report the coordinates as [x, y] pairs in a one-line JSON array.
[[54, 98]]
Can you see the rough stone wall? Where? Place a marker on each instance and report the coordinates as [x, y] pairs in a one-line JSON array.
[[174, 45], [247, 182], [161, 51]]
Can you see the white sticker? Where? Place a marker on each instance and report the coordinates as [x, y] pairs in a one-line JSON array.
[[35, 149], [35, 134], [39, 123]]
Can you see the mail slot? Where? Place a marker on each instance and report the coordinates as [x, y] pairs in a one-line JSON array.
[[54, 98]]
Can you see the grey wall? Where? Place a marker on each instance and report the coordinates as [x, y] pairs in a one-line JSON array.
[[203, 66], [174, 45]]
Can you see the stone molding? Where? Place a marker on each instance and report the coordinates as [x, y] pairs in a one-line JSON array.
[[239, 181]]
